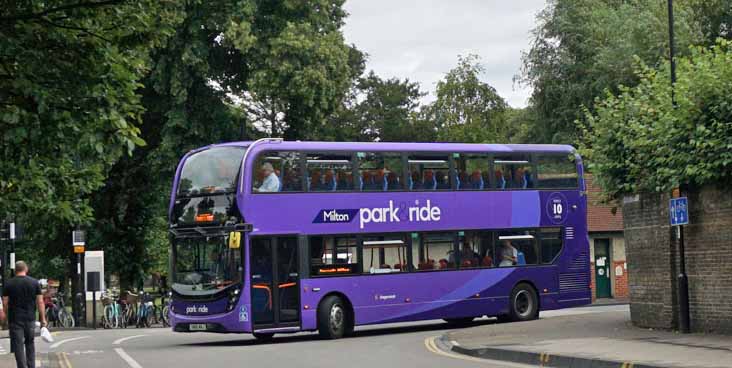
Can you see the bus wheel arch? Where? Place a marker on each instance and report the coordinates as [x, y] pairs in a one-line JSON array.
[[328, 307], [524, 302]]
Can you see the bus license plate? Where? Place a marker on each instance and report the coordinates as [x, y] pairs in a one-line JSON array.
[[197, 327]]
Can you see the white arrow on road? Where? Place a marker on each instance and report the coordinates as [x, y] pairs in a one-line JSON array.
[[55, 345], [119, 341]]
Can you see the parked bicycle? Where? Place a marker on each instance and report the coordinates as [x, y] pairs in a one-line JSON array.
[[57, 314], [146, 315], [112, 317]]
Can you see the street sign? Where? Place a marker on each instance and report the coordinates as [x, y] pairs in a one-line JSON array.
[[78, 238], [679, 211]]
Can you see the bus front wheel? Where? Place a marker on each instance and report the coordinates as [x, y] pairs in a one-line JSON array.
[[332, 318], [524, 304]]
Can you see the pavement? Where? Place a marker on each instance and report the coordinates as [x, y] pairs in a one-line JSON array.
[[587, 338]]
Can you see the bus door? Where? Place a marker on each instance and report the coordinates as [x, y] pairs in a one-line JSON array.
[[275, 282]]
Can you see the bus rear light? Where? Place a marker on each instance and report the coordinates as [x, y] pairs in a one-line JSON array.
[[206, 217], [305, 306]]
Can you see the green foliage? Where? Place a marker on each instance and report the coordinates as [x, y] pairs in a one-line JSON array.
[[233, 70], [69, 107], [582, 48], [467, 109], [638, 141]]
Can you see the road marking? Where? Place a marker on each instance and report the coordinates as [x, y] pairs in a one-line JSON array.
[[55, 345], [131, 362], [119, 341], [63, 360], [429, 343]]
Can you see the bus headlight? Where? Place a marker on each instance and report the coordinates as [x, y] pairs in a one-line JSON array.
[[233, 299]]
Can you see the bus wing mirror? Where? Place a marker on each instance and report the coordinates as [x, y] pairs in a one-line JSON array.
[[234, 240]]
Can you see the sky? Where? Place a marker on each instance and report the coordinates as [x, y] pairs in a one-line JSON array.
[[421, 39]]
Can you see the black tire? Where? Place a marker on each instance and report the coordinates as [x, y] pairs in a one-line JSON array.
[[333, 318], [465, 321], [524, 303], [263, 337]]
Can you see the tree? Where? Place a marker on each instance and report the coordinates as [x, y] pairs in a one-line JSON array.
[[69, 108], [232, 70], [582, 48], [467, 109], [637, 141]]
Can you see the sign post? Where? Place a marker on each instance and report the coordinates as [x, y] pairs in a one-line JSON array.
[[679, 216], [78, 240]]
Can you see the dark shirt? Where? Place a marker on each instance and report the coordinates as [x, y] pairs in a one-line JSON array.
[[22, 292]]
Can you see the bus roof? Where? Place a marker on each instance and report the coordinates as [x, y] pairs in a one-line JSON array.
[[419, 147]]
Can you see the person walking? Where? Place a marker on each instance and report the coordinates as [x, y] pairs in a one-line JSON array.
[[21, 297]]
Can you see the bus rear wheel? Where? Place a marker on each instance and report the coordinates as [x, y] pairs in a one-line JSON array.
[[524, 303], [333, 319]]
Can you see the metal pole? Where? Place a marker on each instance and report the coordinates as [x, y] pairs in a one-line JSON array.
[[672, 59], [682, 279], [79, 288], [683, 285]]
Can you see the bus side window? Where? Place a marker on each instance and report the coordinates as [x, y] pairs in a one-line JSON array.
[[434, 251], [556, 171], [284, 169], [551, 244], [331, 256], [472, 172], [512, 172], [385, 254], [429, 172], [329, 172]]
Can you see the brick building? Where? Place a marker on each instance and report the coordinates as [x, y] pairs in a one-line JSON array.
[[652, 249], [607, 246]]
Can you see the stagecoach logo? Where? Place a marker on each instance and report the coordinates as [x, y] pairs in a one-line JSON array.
[[196, 309], [384, 297], [425, 212]]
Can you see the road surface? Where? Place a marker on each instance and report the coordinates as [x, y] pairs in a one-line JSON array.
[[394, 345]]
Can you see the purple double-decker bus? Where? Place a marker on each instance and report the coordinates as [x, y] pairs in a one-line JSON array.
[[274, 236]]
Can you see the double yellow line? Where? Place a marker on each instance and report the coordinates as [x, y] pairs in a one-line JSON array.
[[63, 360]]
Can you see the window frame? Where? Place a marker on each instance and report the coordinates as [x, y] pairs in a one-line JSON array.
[[490, 185]]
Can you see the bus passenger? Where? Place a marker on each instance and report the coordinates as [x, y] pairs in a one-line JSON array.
[[271, 182], [508, 254]]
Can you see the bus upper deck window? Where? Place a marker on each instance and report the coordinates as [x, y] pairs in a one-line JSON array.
[[277, 172], [512, 172], [329, 172], [556, 171]]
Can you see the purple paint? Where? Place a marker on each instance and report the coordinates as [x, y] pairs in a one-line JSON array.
[[410, 296]]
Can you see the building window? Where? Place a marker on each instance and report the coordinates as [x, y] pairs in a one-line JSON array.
[[329, 172]]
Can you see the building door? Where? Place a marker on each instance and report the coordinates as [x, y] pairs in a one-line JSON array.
[[275, 281], [602, 268]]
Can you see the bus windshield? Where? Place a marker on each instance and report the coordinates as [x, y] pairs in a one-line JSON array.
[[205, 265], [211, 171]]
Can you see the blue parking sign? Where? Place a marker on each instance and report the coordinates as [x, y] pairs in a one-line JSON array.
[[679, 211]]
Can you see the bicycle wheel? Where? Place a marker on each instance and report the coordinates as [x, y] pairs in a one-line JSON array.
[[166, 321], [66, 319], [107, 317]]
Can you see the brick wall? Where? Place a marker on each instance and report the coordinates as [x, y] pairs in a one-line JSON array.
[[621, 281], [651, 251]]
